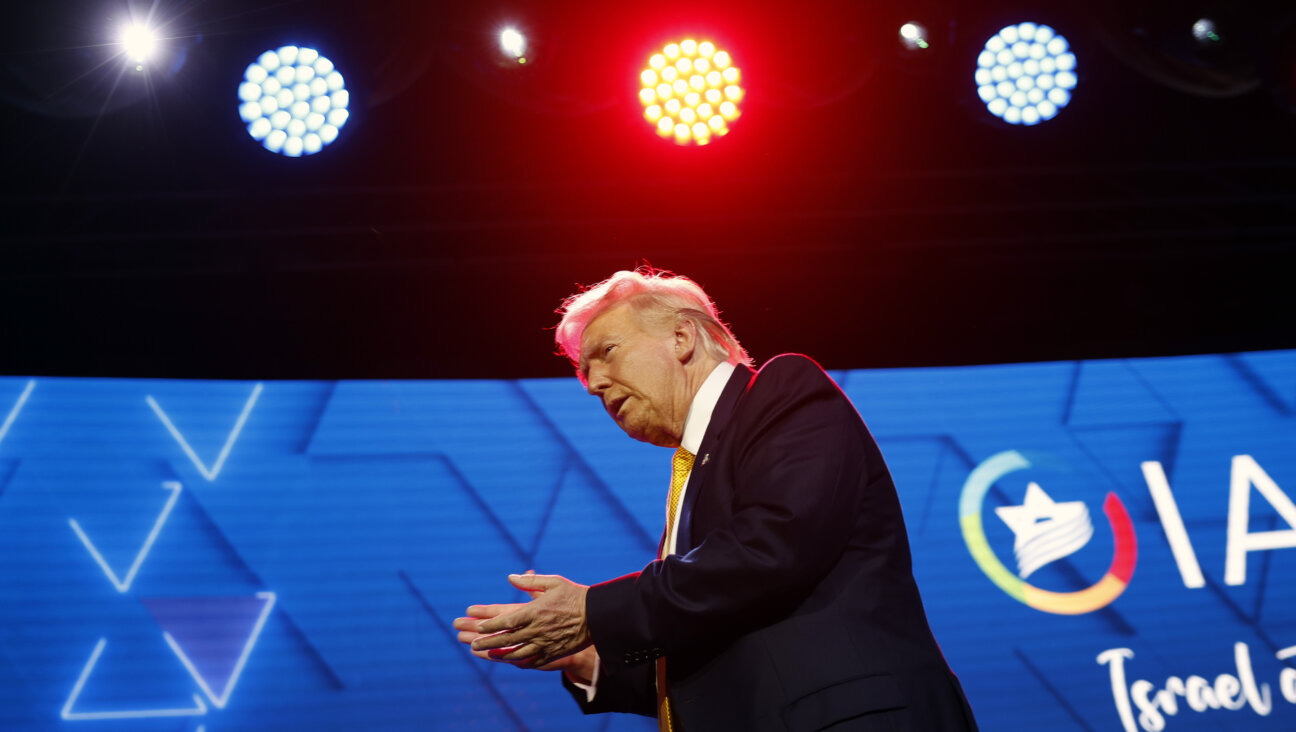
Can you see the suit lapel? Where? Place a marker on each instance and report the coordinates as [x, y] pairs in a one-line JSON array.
[[724, 409]]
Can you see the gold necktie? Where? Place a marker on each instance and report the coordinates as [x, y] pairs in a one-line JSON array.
[[681, 464]]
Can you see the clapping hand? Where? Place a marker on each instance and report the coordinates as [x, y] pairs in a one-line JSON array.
[[548, 633]]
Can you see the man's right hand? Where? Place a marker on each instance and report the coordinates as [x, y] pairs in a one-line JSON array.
[[579, 667]]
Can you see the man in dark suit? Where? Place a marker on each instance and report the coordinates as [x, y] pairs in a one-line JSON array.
[[783, 598]]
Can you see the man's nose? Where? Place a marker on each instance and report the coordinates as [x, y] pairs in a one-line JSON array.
[[596, 381]]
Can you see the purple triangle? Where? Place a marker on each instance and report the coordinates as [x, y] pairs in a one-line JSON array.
[[211, 631]]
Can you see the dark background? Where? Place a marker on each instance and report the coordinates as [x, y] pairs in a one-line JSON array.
[[866, 209]]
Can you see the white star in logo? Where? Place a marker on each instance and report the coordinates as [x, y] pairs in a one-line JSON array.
[[1045, 530]]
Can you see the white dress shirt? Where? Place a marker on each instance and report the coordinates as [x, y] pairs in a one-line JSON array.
[[695, 427]]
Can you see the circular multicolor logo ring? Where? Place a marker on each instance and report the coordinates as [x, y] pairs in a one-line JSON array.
[[1096, 596]]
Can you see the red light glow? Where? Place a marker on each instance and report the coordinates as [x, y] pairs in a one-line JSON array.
[[691, 92]]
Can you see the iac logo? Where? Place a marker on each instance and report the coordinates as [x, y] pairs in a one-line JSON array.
[[1044, 531]]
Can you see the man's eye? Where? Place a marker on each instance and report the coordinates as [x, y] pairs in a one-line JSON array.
[[608, 349]]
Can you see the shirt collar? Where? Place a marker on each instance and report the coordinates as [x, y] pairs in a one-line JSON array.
[[704, 402]]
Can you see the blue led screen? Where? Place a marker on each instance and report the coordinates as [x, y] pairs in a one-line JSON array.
[[1101, 545]]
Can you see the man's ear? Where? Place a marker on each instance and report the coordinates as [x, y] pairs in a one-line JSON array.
[[686, 339]]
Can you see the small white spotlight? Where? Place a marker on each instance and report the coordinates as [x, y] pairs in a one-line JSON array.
[[513, 43], [1205, 32], [138, 42], [914, 36]]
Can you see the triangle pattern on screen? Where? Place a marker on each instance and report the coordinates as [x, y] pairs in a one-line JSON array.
[[1272, 373], [1109, 393], [7, 469], [8, 420], [212, 636], [214, 470], [70, 711]]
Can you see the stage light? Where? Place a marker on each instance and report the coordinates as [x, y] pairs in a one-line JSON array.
[[513, 44], [138, 42], [1205, 32], [293, 101], [1229, 50], [1025, 74], [691, 92], [914, 36]]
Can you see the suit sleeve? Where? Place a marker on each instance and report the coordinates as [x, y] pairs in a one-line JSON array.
[[798, 476], [632, 690]]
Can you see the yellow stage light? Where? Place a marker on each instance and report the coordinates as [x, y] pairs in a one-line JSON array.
[[691, 92]]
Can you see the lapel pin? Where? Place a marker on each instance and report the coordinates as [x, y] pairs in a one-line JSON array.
[[705, 458]]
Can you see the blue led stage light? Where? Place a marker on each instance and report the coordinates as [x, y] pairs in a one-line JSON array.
[[293, 101], [1026, 74]]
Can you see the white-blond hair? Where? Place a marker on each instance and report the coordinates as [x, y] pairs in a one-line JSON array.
[[659, 298]]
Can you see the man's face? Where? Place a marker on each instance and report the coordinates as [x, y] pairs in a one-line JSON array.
[[636, 375]]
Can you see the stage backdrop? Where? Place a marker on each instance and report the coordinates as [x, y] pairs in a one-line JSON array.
[[1105, 545]]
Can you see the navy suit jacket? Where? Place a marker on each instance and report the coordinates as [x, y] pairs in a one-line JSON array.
[[790, 603]]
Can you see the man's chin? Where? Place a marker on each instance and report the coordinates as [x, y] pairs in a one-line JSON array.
[[636, 434], [660, 439]]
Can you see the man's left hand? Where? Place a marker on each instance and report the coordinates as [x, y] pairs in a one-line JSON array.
[[549, 627]]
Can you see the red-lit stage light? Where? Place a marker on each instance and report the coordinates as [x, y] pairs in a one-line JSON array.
[[513, 44], [691, 92], [913, 36]]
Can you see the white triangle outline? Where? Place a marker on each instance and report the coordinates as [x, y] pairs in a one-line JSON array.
[[123, 585], [208, 473], [17, 407], [197, 710], [220, 701]]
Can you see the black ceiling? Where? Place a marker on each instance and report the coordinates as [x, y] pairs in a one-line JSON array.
[[865, 210]]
